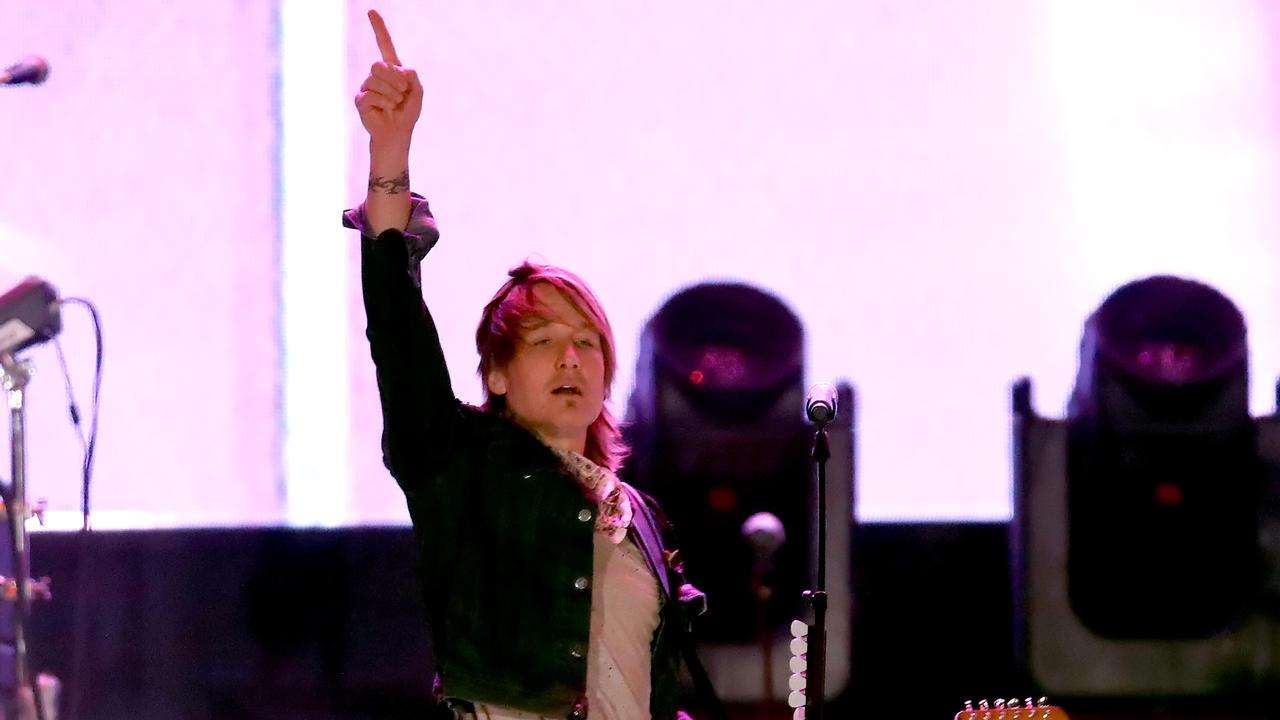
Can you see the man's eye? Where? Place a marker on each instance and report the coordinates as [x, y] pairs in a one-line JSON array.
[[540, 341], [586, 342]]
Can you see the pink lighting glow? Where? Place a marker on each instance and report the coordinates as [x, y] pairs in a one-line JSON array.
[[941, 191]]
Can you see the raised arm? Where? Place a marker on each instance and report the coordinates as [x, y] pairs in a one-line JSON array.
[[420, 412]]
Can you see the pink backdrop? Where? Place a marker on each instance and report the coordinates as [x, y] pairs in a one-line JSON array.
[[942, 192], [142, 175]]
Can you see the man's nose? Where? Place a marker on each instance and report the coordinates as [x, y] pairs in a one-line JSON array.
[[569, 357]]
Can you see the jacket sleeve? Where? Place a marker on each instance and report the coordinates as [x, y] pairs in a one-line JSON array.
[[420, 414]]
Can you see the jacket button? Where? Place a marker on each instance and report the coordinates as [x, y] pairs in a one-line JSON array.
[[584, 515], [581, 583], [576, 651]]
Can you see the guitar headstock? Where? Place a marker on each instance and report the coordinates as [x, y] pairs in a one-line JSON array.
[[1011, 709]]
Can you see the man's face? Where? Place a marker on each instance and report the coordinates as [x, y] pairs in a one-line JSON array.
[[554, 384]]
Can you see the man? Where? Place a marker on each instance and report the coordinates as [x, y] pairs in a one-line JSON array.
[[548, 589]]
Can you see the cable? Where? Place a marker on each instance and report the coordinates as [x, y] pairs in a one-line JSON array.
[[91, 445], [80, 621], [72, 409]]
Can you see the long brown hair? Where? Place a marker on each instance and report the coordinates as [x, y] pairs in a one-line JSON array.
[[500, 325]]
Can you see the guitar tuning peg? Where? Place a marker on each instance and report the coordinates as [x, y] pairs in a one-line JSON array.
[[984, 705], [968, 705], [1012, 704], [796, 699], [1029, 703], [999, 703], [797, 682], [799, 646], [1044, 701], [799, 664]]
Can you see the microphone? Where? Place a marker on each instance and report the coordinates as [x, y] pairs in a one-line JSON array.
[[28, 315], [820, 403], [764, 533], [31, 69]]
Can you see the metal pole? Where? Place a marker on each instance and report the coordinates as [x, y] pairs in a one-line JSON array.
[[815, 691], [15, 374]]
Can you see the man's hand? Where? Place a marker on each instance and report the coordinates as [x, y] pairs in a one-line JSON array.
[[390, 100], [389, 103]]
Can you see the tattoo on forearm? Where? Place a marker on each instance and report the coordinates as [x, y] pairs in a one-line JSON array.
[[390, 186]]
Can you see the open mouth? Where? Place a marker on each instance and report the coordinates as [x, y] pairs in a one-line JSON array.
[[567, 390]]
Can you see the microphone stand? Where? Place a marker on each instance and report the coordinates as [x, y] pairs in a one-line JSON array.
[[816, 672], [14, 374]]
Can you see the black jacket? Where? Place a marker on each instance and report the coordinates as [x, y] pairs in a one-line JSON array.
[[503, 531]]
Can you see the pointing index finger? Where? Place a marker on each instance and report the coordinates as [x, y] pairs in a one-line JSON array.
[[383, 37]]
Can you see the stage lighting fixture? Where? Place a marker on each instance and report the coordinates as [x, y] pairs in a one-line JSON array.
[[716, 423], [1137, 539]]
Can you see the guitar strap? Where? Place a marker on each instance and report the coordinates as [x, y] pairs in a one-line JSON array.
[[701, 683], [650, 536]]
